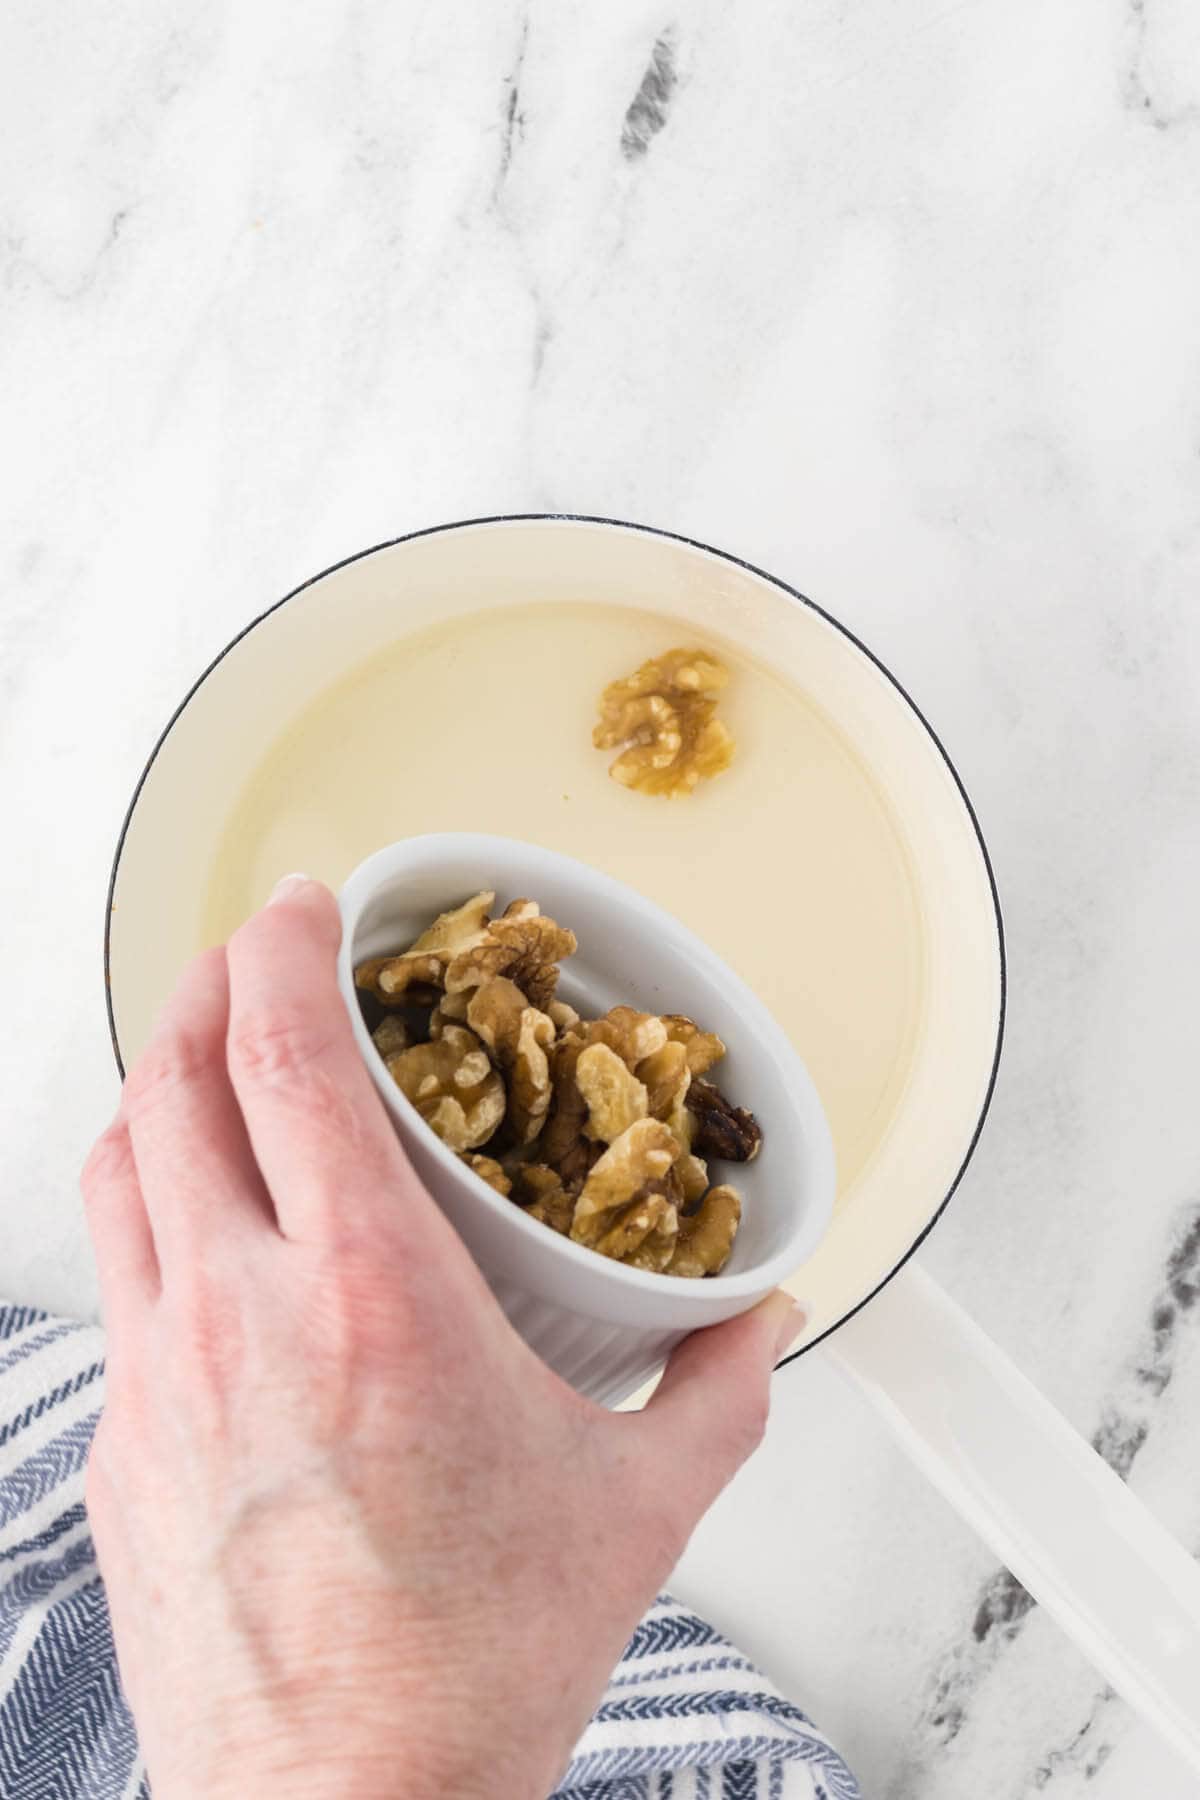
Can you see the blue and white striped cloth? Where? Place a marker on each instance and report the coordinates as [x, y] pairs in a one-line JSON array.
[[685, 1716]]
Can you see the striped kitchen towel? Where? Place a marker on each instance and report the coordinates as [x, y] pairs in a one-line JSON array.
[[685, 1716]]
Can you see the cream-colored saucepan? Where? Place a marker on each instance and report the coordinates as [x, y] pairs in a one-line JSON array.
[[446, 682]]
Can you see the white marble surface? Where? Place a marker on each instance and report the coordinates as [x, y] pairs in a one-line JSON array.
[[897, 300]]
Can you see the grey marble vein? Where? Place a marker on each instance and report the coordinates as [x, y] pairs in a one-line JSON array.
[[514, 117], [1149, 82], [650, 107], [1003, 1606]]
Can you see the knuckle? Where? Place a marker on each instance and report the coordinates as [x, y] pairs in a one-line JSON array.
[[277, 1042], [206, 978], [109, 1161], [165, 1070], [361, 1317], [353, 1293], [208, 1329], [199, 1299]]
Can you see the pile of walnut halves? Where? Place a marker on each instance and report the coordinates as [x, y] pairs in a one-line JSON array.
[[599, 1128]]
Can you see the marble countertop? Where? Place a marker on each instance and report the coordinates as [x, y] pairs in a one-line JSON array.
[[897, 301]]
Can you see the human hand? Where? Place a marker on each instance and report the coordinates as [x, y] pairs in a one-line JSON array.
[[357, 1539]]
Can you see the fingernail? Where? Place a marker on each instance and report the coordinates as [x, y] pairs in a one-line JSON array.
[[792, 1320], [286, 887]]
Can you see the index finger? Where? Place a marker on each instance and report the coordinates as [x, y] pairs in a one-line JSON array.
[[331, 1161]]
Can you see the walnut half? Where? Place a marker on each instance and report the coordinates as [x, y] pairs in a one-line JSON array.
[[543, 1196], [518, 1037], [641, 1155], [489, 1170], [615, 1097], [663, 715], [722, 1130], [704, 1240], [525, 948], [453, 1086]]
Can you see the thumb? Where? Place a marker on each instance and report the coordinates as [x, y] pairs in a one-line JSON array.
[[710, 1409]]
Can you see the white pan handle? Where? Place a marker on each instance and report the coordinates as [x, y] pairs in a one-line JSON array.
[[1051, 1509]]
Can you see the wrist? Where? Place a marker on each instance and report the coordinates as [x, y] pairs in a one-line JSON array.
[[403, 1764]]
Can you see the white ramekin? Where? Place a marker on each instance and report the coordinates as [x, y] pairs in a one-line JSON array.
[[603, 1327]]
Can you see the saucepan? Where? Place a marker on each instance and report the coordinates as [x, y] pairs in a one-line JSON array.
[[843, 876]]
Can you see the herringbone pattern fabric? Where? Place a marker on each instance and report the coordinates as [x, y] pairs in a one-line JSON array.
[[685, 1716]]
